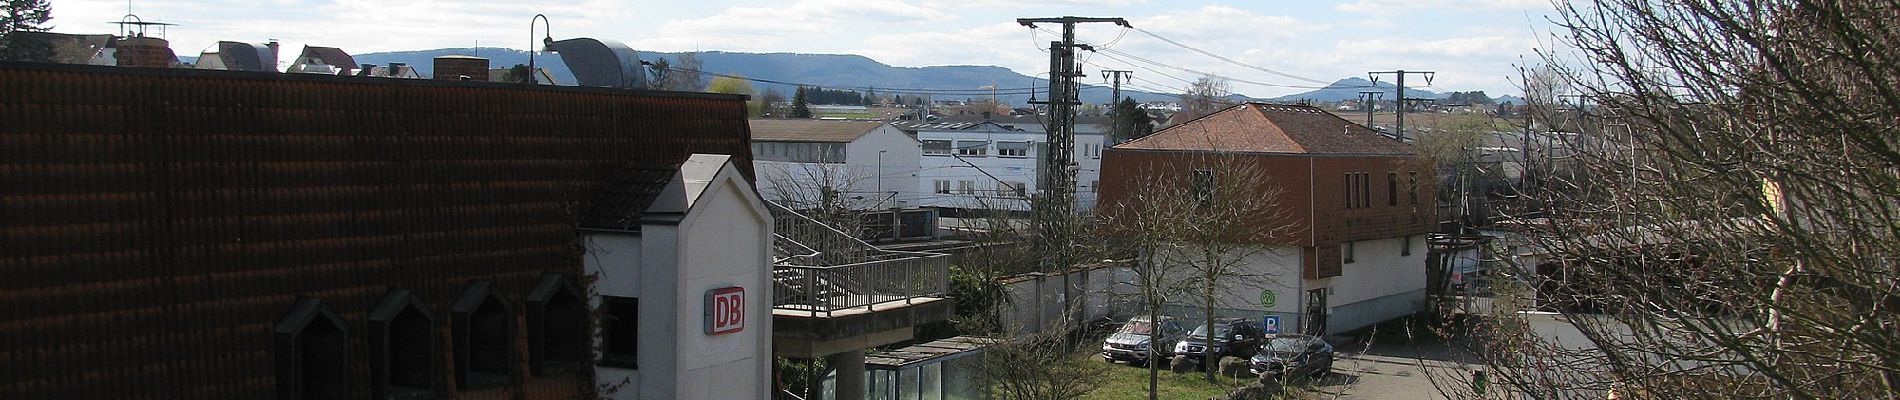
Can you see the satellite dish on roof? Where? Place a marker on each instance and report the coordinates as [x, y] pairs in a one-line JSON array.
[[603, 63]]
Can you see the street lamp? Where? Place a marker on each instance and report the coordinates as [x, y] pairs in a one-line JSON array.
[[880, 176], [546, 39]]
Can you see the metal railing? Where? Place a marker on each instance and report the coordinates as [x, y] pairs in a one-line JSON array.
[[821, 270]]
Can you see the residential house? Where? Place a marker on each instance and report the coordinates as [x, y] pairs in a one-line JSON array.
[[803, 163], [323, 60], [1350, 252], [239, 56]]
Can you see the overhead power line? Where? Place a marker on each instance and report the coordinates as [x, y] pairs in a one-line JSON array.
[[1229, 60]]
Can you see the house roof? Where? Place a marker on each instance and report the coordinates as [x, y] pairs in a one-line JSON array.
[[625, 194], [331, 56], [1272, 128], [810, 130]]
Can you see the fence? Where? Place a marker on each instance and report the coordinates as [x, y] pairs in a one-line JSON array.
[[821, 270]]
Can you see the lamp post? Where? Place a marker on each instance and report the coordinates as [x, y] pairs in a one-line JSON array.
[[547, 38], [880, 177]]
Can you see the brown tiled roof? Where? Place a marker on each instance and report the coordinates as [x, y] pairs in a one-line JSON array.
[[810, 130], [155, 224], [1271, 128], [332, 56], [624, 195]]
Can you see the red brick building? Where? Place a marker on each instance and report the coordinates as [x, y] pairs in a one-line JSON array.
[[1361, 207]]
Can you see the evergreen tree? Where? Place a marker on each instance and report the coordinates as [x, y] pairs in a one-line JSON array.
[[24, 16], [800, 107], [1130, 122]]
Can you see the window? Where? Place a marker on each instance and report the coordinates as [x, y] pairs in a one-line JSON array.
[[401, 348], [943, 187], [557, 326], [484, 336], [1012, 149], [1204, 187], [936, 147], [973, 148], [966, 187], [1346, 251], [1017, 189], [1357, 190], [1405, 247], [1412, 186], [312, 347], [1391, 188], [621, 347], [1352, 190], [1095, 186]]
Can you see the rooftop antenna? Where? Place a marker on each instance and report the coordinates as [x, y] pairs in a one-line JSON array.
[[133, 26]]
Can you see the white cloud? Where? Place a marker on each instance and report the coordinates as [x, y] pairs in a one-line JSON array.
[[766, 27], [1398, 6]]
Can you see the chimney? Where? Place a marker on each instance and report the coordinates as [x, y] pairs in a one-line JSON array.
[[145, 52], [273, 55], [448, 68], [395, 69], [366, 70]]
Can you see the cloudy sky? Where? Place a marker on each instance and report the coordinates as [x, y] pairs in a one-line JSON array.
[[1471, 44]]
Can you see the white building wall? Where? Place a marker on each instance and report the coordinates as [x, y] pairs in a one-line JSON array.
[[882, 161], [1380, 284], [722, 241], [613, 259], [727, 244], [1270, 268], [891, 157], [982, 172]]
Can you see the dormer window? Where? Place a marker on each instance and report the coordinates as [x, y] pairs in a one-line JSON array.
[[557, 326], [312, 350], [484, 332], [402, 348]]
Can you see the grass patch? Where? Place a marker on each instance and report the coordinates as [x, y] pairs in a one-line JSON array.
[[1127, 382]]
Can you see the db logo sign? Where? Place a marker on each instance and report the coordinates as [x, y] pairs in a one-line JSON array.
[[725, 310]]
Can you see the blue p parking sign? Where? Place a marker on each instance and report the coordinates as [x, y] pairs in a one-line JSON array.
[[1271, 324]]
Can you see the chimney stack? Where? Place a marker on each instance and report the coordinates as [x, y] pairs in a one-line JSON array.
[[144, 52], [448, 68], [274, 55]]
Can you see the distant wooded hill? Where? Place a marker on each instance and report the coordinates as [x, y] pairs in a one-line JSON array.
[[844, 71]]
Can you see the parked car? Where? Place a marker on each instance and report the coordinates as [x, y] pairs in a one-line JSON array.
[[1238, 337], [1290, 355], [1131, 342]]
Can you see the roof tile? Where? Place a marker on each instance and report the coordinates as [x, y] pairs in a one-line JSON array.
[[1271, 128]]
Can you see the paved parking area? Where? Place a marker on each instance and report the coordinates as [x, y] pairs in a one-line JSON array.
[[1396, 372]]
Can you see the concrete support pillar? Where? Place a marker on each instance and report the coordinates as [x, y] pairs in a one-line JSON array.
[[850, 367]]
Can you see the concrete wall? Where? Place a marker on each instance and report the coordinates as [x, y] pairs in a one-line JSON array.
[[1035, 300]]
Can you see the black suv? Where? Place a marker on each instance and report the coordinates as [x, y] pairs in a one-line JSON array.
[[1237, 337]]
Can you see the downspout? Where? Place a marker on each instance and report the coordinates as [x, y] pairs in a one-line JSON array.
[[1312, 239]]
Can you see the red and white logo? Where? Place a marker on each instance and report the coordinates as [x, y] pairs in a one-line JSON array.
[[725, 310]]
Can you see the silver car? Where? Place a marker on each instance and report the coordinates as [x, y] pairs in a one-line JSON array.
[[1131, 342]]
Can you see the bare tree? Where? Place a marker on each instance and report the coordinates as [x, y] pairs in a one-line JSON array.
[[829, 192], [1205, 96], [1196, 227], [1040, 365], [1739, 240]]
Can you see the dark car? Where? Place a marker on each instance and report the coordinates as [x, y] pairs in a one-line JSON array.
[[1292, 355], [1236, 337], [1130, 343]]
